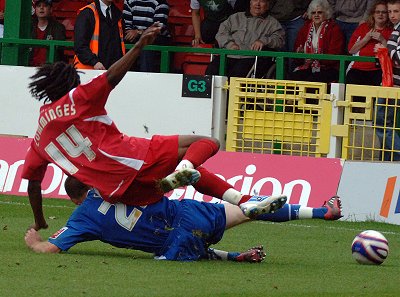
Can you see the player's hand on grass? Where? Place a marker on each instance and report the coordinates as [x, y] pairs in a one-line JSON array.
[[32, 237], [35, 242]]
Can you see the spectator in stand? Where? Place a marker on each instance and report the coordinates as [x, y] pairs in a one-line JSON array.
[[45, 27], [350, 14], [291, 15], [319, 35], [215, 12], [2, 7], [387, 109], [377, 29], [254, 30], [139, 15], [98, 38]]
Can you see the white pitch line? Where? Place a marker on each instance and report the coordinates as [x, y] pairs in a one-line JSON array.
[[262, 222], [44, 205], [325, 227]]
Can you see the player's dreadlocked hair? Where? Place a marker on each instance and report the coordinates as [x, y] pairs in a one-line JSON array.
[[52, 81]]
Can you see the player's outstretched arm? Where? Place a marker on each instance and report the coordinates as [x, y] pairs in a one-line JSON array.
[[35, 199], [118, 70], [36, 243]]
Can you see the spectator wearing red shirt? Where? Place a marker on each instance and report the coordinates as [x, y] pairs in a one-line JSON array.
[[46, 28], [362, 43], [2, 7], [319, 35]]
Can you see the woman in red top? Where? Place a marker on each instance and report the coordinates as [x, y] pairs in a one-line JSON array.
[[362, 43], [2, 6], [319, 35]]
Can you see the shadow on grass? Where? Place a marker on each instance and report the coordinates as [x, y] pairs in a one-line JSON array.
[[114, 253]]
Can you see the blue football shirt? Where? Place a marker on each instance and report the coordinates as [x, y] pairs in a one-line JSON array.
[[152, 228]]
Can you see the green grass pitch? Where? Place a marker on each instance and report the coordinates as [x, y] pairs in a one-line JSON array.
[[304, 258]]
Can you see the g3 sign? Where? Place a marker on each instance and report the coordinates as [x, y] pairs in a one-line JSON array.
[[197, 86]]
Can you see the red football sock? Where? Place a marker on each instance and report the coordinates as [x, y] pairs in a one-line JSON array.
[[200, 151], [210, 184]]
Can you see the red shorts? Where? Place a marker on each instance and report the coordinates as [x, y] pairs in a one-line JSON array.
[[161, 160]]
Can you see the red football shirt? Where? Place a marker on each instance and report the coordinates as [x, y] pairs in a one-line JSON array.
[[39, 53], [368, 49], [76, 133]]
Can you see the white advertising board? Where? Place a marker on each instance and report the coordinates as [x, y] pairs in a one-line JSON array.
[[143, 104], [370, 191]]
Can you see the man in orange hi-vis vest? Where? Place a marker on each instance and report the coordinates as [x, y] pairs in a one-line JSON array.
[[99, 40]]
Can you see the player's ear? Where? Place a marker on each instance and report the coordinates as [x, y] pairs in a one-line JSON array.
[[78, 200]]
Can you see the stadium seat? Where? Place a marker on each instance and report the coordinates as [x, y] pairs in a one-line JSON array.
[[68, 9], [119, 4], [196, 63], [180, 25], [69, 23], [69, 55]]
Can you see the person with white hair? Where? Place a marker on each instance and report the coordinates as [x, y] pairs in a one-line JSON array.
[[319, 35]]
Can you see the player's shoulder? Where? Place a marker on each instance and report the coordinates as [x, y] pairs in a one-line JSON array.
[[100, 78], [98, 83], [93, 196]]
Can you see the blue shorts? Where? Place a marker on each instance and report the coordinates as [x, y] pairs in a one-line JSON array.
[[195, 227]]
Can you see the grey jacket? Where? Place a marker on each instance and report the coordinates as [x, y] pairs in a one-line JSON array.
[[351, 11], [285, 10], [245, 30]]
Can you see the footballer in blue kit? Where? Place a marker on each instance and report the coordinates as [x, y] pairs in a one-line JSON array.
[[166, 228], [170, 229]]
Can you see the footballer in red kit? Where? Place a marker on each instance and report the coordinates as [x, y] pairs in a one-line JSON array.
[[75, 133]]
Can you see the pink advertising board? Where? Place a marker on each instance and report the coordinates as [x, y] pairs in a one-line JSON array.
[[305, 180]]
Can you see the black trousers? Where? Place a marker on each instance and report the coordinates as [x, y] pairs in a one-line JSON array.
[[325, 75], [240, 67], [208, 30], [364, 77]]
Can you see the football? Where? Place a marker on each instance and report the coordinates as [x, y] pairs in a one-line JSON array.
[[370, 247]]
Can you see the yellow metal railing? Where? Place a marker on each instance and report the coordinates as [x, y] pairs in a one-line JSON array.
[[278, 116], [370, 120]]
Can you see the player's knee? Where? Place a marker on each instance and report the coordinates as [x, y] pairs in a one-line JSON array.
[[216, 141]]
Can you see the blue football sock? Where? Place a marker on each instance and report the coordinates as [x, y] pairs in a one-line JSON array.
[[213, 254], [232, 256], [291, 212], [318, 213], [287, 213]]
